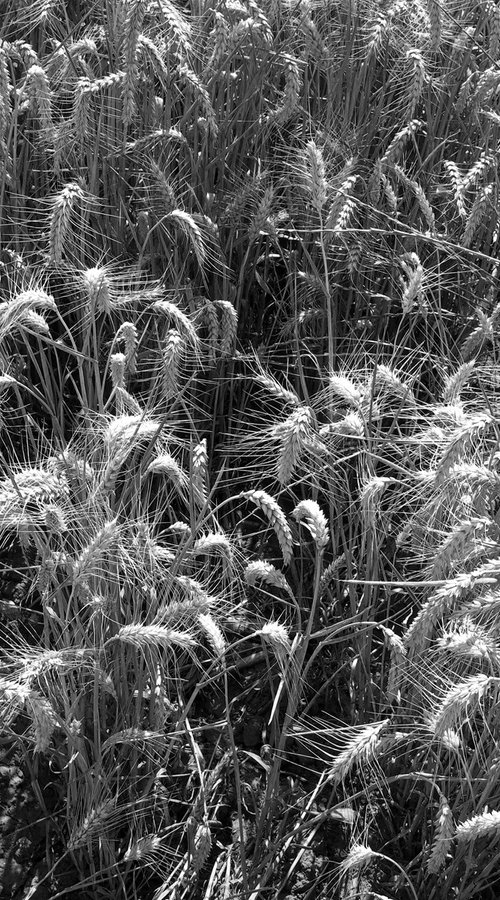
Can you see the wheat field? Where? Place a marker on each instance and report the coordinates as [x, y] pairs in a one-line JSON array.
[[250, 447]]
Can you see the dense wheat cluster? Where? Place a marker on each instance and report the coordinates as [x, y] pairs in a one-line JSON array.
[[250, 446]]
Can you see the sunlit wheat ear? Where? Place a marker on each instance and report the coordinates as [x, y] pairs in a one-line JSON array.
[[129, 336], [461, 702], [38, 90], [168, 467], [423, 202], [352, 425], [23, 500], [486, 87], [417, 80], [135, 12], [92, 559], [217, 45], [176, 20], [275, 389], [44, 719], [455, 383], [294, 433], [466, 639], [178, 319], [458, 546], [494, 22], [276, 517], [213, 633], [153, 637], [441, 602], [413, 286], [434, 10], [483, 206], [276, 636], [214, 544], [399, 141], [199, 472], [173, 350], [314, 44], [64, 208], [443, 838], [126, 404], [342, 209], [202, 97], [123, 433], [262, 571], [23, 308], [330, 572], [361, 750], [55, 519], [315, 176], [398, 659], [358, 858], [485, 825], [390, 195], [461, 440], [202, 844], [309, 514], [370, 496], [261, 220], [5, 98], [386, 381], [480, 338], [96, 286], [458, 187], [117, 366], [377, 32], [143, 849]]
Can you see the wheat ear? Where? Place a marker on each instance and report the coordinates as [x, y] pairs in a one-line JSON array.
[[273, 512]]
